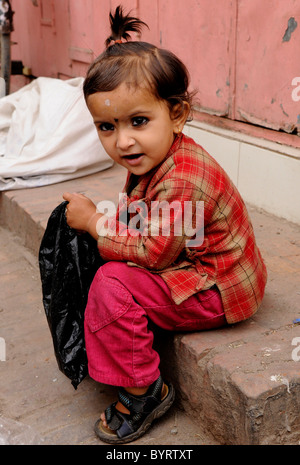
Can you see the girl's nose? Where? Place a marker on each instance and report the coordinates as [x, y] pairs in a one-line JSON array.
[[124, 140]]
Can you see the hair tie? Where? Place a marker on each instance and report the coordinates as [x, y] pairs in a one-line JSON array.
[[113, 42]]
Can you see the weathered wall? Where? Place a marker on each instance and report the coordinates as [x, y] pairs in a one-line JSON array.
[[242, 54]]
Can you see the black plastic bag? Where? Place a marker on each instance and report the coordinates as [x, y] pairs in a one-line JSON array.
[[68, 263]]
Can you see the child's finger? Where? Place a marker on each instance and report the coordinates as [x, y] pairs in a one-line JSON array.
[[67, 196], [79, 194]]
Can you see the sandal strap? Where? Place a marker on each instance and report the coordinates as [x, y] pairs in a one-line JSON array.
[[143, 410], [112, 417], [145, 403], [139, 407], [121, 423], [127, 427]]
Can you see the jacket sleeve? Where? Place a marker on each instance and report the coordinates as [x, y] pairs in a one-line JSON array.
[[159, 229]]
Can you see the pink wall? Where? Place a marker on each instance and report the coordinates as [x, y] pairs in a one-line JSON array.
[[241, 57]]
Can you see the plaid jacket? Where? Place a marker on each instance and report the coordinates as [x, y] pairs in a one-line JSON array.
[[228, 255]]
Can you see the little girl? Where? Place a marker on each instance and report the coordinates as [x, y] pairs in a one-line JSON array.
[[138, 97]]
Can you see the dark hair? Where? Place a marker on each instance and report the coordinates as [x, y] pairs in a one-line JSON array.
[[137, 63]]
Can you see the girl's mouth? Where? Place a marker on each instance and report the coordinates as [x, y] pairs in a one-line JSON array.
[[133, 159]]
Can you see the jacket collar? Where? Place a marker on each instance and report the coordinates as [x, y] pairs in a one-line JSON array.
[[137, 185]]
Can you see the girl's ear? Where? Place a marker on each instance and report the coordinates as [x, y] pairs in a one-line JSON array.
[[179, 114]]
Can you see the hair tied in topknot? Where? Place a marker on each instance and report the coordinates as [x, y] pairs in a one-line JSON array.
[[121, 25]]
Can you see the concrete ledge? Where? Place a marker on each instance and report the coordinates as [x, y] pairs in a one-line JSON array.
[[241, 383], [265, 172], [26, 211]]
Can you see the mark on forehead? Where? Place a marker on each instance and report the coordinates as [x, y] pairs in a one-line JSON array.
[[107, 102], [116, 120]]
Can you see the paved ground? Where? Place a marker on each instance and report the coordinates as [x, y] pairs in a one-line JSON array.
[[242, 383], [37, 402]]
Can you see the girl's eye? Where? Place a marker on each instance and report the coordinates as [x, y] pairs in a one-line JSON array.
[[139, 121], [106, 127]]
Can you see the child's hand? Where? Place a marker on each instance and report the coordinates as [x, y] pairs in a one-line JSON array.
[[80, 212]]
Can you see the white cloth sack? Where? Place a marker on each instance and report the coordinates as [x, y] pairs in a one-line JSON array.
[[47, 135]]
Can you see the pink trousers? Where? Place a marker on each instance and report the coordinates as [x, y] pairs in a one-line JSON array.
[[118, 339]]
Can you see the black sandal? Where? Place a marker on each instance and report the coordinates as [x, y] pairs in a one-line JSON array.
[[143, 409]]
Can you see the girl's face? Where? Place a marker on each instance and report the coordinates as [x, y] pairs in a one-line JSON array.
[[135, 129]]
